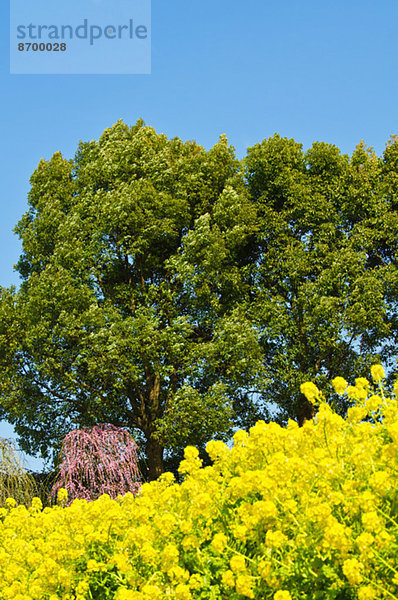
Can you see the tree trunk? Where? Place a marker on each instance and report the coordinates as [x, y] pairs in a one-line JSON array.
[[305, 411], [154, 453]]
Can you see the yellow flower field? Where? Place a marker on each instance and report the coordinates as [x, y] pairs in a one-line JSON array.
[[287, 513]]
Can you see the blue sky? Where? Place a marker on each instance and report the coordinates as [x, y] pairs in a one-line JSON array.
[[309, 70]]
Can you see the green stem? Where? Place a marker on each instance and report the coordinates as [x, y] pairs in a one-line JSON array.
[[380, 587], [385, 562], [386, 516]]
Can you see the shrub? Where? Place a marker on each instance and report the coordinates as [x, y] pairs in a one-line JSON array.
[[287, 513], [15, 481], [98, 460]]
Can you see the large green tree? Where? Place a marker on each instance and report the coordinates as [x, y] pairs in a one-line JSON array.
[[102, 329], [321, 269]]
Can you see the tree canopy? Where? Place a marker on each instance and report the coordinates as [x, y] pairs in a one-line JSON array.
[[100, 329], [180, 293], [322, 279]]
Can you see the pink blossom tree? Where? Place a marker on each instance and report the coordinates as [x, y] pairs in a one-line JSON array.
[[98, 460]]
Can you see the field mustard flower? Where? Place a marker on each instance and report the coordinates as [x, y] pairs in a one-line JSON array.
[[219, 542], [252, 524], [228, 578], [339, 385], [237, 563], [377, 373], [282, 595], [243, 586], [310, 391], [352, 569], [367, 593]]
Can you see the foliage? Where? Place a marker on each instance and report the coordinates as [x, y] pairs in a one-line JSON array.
[[287, 513], [99, 331], [327, 264], [98, 460], [320, 283], [15, 481]]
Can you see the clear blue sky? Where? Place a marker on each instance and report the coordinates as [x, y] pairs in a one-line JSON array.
[[309, 70]]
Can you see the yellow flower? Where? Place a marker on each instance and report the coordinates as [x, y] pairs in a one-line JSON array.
[[170, 556], [219, 542], [166, 523], [373, 403], [189, 542], [182, 592], [367, 500], [372, 522], [190, 453], [10, 503], [320, 512], [93, 566], [291, 505], [356, 393], [216, 449], [240, 532], [36, 505], [367, 592], [355, 414], [203, 502], [380, 481], [186, 526], [120, 559], [377, 373], [393, 431], [228, 579], [62, 495], [364, 542], [339, 384], [282, 595], [152, 592], [125, 594], [148, 553], [327, 484], [237, 563], [240, 437], [336, 536], [178, 574], [352, 570], [383, 539], [265, 509], [195, 581], [243, 586], [82, 587], [167, 478], [275, 539], [361, 382], [310, 391]]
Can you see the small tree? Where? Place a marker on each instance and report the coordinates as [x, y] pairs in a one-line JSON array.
[[98, 460], [15, 481]]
